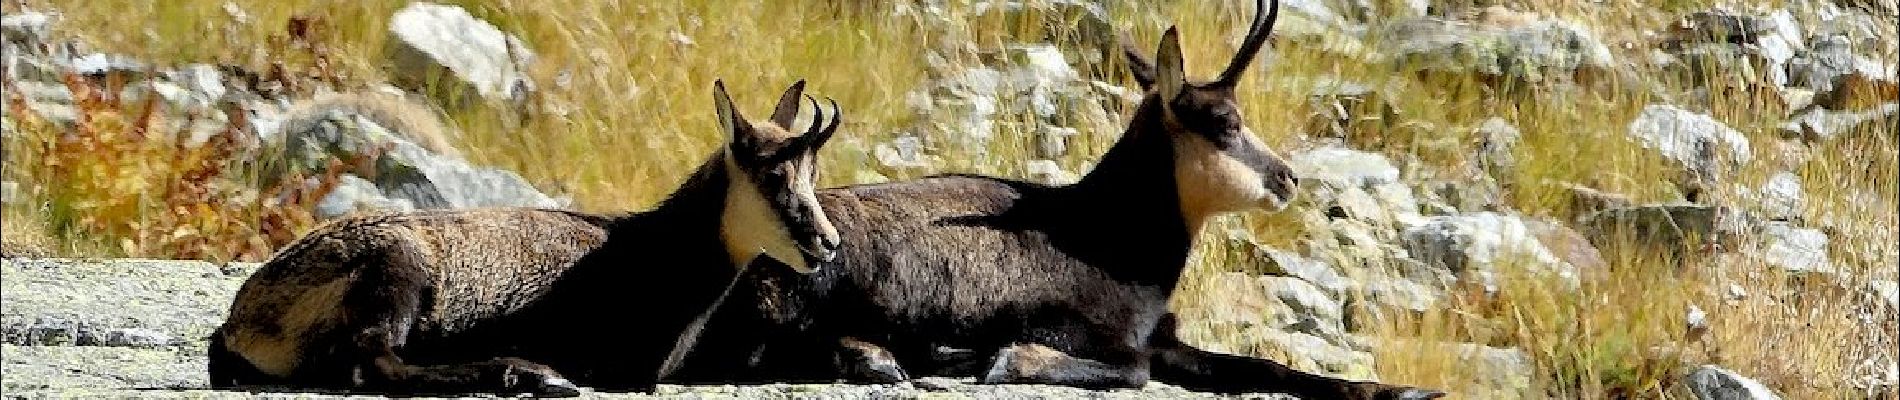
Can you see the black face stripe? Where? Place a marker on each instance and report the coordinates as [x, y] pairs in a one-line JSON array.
[[799, 217]]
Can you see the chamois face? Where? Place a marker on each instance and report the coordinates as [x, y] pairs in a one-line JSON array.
[[1219, 165], [772, 205]]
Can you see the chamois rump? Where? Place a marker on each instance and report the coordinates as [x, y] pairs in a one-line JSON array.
[[500, 299], [1063, 284]]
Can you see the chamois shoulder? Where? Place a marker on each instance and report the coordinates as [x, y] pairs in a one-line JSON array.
[[943, 195]]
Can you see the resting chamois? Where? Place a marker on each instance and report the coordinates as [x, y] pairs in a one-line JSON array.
[[1069, 284], [458, 301]]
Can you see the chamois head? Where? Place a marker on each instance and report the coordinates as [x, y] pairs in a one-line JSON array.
[[772, 206], [1219, 165]]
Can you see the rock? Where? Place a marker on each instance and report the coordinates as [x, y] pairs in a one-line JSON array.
[[1054, 140], [1697, 322], [1346, 109], [1343, 167], [1502, 367], [1669, 224], [58, 369], [406, 170], [901, 152], [1048, 172], [1585, 200], [1710, 382], [1284, 263], [1839, 77], [1085, 23], [1312, 353], [1781, 196], [124, 68], [1888, 291], [1822, 124], [203, 80], [1568, 245], [1304, 300], [1706, 148], [1497, 143], [135, 303], [1535, 51], [354, 194], [28, 30], [9, 191], [1474, 245], [443, 43], [1794, 249]]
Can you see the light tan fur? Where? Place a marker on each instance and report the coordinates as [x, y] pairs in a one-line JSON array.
[[1211, 183], [277, 352], [750, 227]]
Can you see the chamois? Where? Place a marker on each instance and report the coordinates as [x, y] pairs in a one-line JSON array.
[[458, 301], [1069, 283]]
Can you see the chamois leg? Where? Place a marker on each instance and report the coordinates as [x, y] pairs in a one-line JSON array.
[[1177, 363], [382, 308], [1039, 364], [863, 362]]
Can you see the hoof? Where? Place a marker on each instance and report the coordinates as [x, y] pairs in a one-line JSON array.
[[1410, 393], [999, 371], [557, 387]]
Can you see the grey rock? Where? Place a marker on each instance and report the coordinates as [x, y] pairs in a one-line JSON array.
[[1704, 147], [1343, 167], [102, 64], [1498, 139], [406, 171], [1710, 382], [28, 29], [1830, 65], [1538, 51], [203, 79], [9, 191], [1819, 123], [1054, 140], [1339, 108], [1667, 224], [1567, 244], [1795, 249], [431, 41], [1888, 291], [1318, 273], [1474, 245], [148, 303], [1781, 196], [1048, 172], [901, 152], [1502, 367], [354, 194], [1304, 299], [54, 370], [44, 93]]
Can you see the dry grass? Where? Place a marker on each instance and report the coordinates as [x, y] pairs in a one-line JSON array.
[[634, 115]]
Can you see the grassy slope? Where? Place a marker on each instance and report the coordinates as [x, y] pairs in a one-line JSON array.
[[638, 118]]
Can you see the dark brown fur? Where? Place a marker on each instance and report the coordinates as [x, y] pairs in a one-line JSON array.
[[458, 301], [1065, 284]]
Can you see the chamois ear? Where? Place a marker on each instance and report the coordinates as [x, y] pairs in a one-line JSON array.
[[731, 123], [1138, 64], [787, 109], [1170, 72]]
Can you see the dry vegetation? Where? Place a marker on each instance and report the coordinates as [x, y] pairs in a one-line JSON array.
[[634, 117]]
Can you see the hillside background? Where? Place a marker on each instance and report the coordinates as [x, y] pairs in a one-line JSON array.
[[1502, 199]]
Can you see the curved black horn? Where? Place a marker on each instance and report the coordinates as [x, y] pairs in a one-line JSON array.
[[817, 117], [1263, 19], [837, 115]]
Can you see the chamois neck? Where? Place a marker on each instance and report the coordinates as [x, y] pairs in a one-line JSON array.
[[1136, 177]]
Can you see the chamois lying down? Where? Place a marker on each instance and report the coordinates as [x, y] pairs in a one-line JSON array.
[[498, 300], [1065, 284]]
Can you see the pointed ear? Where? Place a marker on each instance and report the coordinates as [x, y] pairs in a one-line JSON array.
[[1138, 64], [729, 119], [1170, 71], [787, 109]]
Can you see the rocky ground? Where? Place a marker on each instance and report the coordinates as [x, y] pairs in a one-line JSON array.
[[136, 328]]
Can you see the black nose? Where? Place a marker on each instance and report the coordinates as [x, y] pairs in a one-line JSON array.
[[826, 250]]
